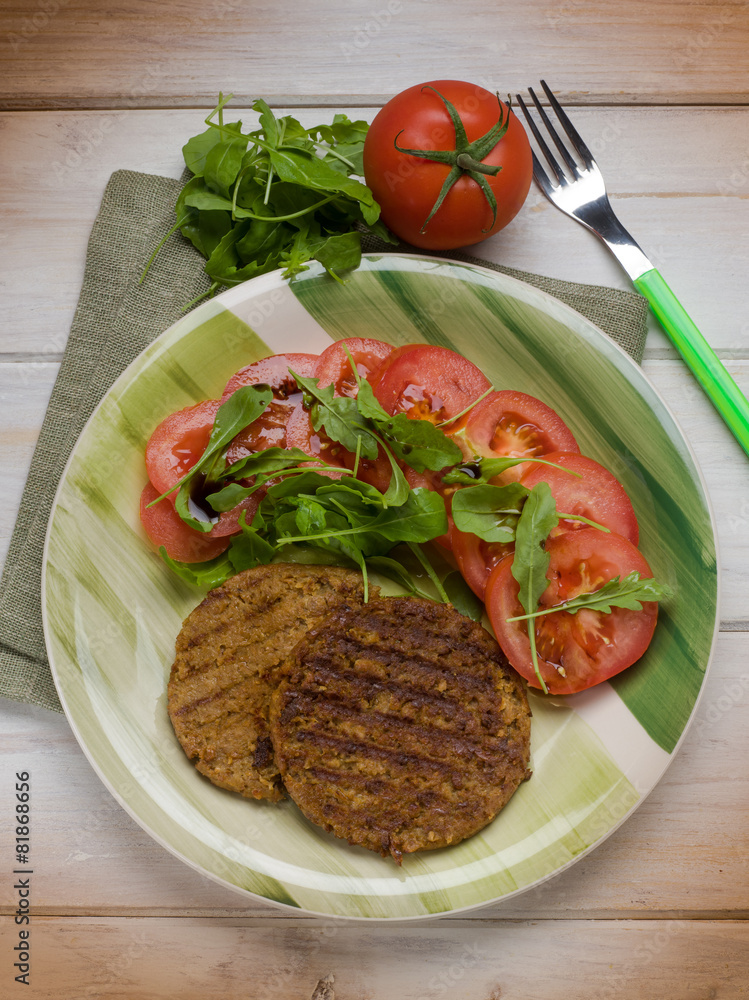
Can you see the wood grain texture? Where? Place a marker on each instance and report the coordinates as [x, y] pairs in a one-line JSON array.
[[88, 54], [688, 207], [287, 959]]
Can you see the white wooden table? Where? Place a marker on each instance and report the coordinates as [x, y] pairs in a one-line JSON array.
[[660, 909]]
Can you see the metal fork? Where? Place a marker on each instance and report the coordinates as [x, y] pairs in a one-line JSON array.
[[580, 192]]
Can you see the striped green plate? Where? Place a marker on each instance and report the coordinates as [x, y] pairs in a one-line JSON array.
[[112, 610]]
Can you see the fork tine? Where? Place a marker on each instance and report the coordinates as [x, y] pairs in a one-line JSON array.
[[537, 168], [541, 177], [575, 138], [571, 165]]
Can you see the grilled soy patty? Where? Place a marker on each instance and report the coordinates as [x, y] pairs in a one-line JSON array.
[[226, 656], [399, 726]]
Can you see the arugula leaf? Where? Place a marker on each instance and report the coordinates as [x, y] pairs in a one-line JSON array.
[[250, 549], [298, 167], [617, 593], [462, 597], [264, 462], [419, 443], [531, 561], [262, 241], [398, 487], [483, 470], [307, 481], [430, 571], [268, 121], [491, 512], [208, 574], [239, 411], [204, 228], [201, 196], [224, 160], [421, 518], [341, 252], [354, 495], [339, 415], [394, 570], [369, 405], [231, 496], [196, 149]]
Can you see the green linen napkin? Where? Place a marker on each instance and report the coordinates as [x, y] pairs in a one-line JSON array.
[[115, 320]]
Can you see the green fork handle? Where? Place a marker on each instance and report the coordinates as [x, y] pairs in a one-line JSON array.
[[707, 368]]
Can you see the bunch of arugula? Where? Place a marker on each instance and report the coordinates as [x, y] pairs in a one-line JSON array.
[[276, 197]]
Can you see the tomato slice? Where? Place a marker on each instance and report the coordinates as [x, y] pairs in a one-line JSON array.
[[594, 493], [575, 651], [377, 472], [512, 423], [476, 558], [334, 367], [429, 383], [300, 434], [269, 430], [177, 444], [164, 526], [228, 521], [272, 371]]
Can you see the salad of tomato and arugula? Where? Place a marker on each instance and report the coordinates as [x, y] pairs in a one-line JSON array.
[[365, 453]]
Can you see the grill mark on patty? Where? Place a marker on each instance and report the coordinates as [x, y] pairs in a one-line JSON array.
[[361, 751], [419, 668], [351, 688], [331, 711], [396, 698], [226, 657], [220, 702], [400, 726]]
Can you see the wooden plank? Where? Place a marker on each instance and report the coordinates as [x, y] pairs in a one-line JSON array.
[[74, 53], [292, 960], [686, 200], [682, 853], [24, 393]]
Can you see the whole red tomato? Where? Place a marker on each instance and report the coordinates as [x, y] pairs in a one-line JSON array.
[[425, 122]]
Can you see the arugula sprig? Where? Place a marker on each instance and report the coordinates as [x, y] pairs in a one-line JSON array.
[[483, 470], [279, 196], [492, 512], [531, 560], [629, 593]]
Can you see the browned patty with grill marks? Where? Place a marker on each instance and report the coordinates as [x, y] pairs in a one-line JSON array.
[[400, 726], [226, 657]]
